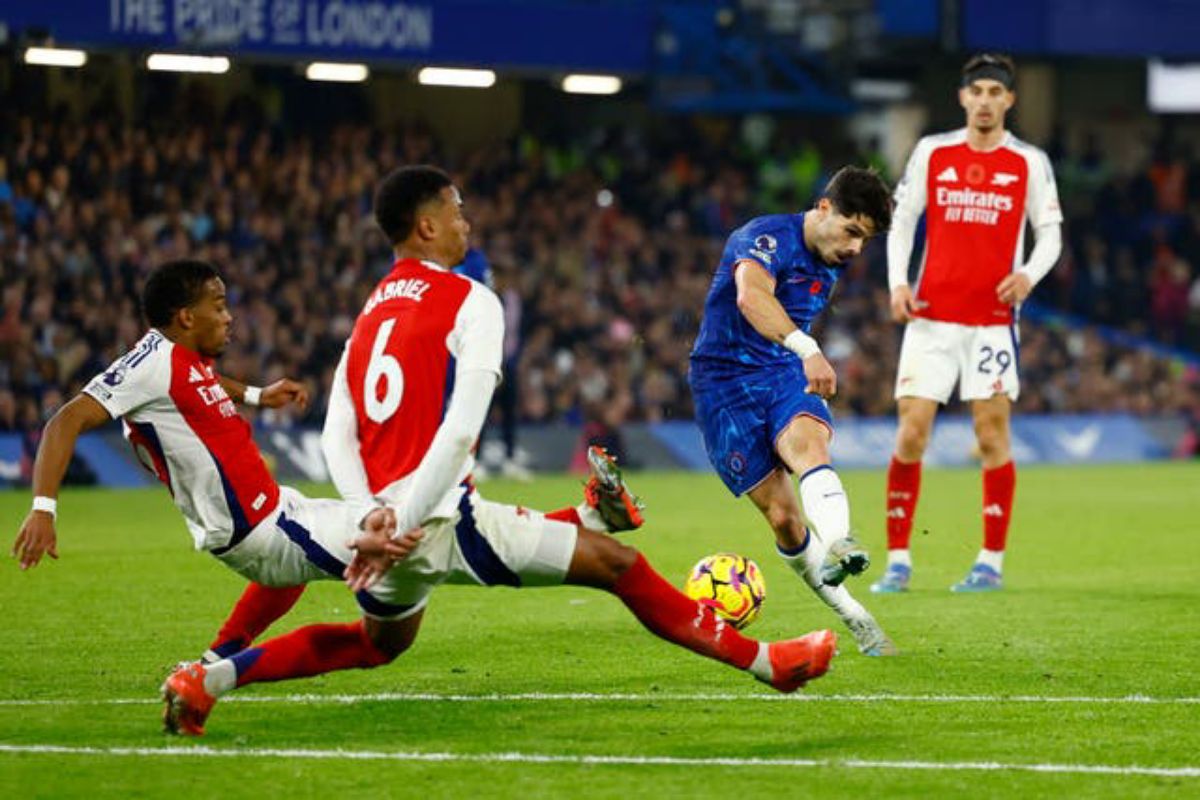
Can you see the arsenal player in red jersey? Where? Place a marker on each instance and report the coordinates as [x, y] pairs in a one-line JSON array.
[[411, 393], [977, 187]]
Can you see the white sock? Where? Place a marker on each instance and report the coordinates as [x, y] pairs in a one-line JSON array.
[[761, 666], [993, 558], [591, 518], [825, 503], [220, 677], [901, 557], [807, 565]]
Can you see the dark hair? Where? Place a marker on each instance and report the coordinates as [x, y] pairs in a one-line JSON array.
[[172, 286], [994, 66], [855, 191], [402, 193]]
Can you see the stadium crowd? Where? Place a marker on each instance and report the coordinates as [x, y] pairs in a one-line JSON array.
[[602, 249]]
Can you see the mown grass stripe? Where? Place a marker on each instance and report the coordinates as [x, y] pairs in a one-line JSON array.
[[623, 697], [201, 751]]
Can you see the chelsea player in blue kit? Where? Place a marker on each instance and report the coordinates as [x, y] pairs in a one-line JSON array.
[[760, 383]]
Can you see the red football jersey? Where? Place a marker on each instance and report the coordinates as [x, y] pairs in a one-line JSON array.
[[975, 203], [185, 429], [395, 371], [418, 327]]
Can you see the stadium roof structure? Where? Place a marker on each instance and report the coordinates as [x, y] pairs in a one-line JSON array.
[[698, 55]]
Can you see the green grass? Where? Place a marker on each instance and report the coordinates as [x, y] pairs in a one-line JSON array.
[[1100, 603]]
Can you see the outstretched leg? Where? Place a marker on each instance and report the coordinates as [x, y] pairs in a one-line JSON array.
[[824, 547], [603, 563], [193, 689], [255, 611], [607, 505]]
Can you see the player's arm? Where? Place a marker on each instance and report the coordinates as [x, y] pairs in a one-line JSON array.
[[1045, 215], [277, 395], [757, 302], [451, 445], [385, 541], [37, 536], [340, 443], [480, 347], [910, 204], [1047, 246]]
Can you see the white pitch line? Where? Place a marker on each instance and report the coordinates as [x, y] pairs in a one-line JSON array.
[[201, 751], [623, 697]]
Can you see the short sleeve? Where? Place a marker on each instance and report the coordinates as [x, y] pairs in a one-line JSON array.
[[1041, 201], [135, 379], [759, 241], [477, 340]]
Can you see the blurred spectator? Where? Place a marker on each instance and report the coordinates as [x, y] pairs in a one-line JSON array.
[[604, 248]]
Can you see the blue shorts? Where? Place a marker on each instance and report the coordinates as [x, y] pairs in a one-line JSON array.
[[741, 413]]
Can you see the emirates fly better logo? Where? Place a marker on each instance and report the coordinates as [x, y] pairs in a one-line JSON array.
[[969, 205]]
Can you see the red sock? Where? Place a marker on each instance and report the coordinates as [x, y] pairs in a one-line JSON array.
[[256, 609], [903, 488], [999, 486], [672, 615], [311, 650], [568, 514]]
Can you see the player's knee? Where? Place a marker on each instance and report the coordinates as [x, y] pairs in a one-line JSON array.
[[993, 442], [780, 517], [384, 652], [911, 440], [616, 558], [608, 560], [599, 561], [813, 453], [386, 641], [990, 431]]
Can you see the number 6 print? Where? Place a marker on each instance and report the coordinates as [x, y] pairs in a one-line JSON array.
[[383, 367]]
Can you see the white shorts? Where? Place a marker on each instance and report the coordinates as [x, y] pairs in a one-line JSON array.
[[981, 359], [484, 543]]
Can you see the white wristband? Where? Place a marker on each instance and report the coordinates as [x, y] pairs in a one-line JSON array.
[[252, 396], [801, 344], [47, 504]]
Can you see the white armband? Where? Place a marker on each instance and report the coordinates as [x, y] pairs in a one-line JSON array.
[[47, 504], [801, 344], [252, 396]]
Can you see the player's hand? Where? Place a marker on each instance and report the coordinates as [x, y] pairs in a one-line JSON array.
[[37, 538], [904, 306], [377, 549], [282, 392], [1014, 288], [822, 380]]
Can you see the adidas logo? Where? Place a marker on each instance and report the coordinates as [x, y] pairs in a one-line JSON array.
[[947, 175], [896, 513], [994, 510], [194, 375]]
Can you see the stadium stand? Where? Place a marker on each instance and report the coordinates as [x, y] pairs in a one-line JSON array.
[[609, 244]]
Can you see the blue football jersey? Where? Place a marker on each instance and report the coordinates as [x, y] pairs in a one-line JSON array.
[[476, 267], [802, 286]]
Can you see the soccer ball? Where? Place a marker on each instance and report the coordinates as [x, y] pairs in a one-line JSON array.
[[731, 585]]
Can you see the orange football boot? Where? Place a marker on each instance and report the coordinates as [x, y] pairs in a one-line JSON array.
[[187, 702], [795, 662], [606, 492]]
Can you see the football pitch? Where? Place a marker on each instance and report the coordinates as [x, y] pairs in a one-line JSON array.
[[1079, 680]]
